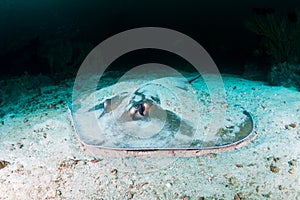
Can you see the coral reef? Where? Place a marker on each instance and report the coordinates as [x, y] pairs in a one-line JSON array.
[[279, 35], [280, 40], [285, 74]]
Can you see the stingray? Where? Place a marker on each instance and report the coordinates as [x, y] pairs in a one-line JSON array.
[[166, 113]]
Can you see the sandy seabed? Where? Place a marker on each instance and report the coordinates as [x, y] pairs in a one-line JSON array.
[[47, 162]]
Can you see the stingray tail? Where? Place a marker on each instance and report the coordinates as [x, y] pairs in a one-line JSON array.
[[190, 80]]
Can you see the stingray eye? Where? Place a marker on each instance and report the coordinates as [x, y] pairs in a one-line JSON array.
[[146, 108]]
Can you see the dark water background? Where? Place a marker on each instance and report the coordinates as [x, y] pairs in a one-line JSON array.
[[37, 35]]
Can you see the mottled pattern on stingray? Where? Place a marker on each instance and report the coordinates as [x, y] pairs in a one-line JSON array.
[[165, 113]]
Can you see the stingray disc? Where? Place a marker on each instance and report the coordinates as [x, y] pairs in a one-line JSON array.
[[161, 114]]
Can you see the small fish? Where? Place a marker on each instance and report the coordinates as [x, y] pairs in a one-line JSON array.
[[109, 104], [3, 164]]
